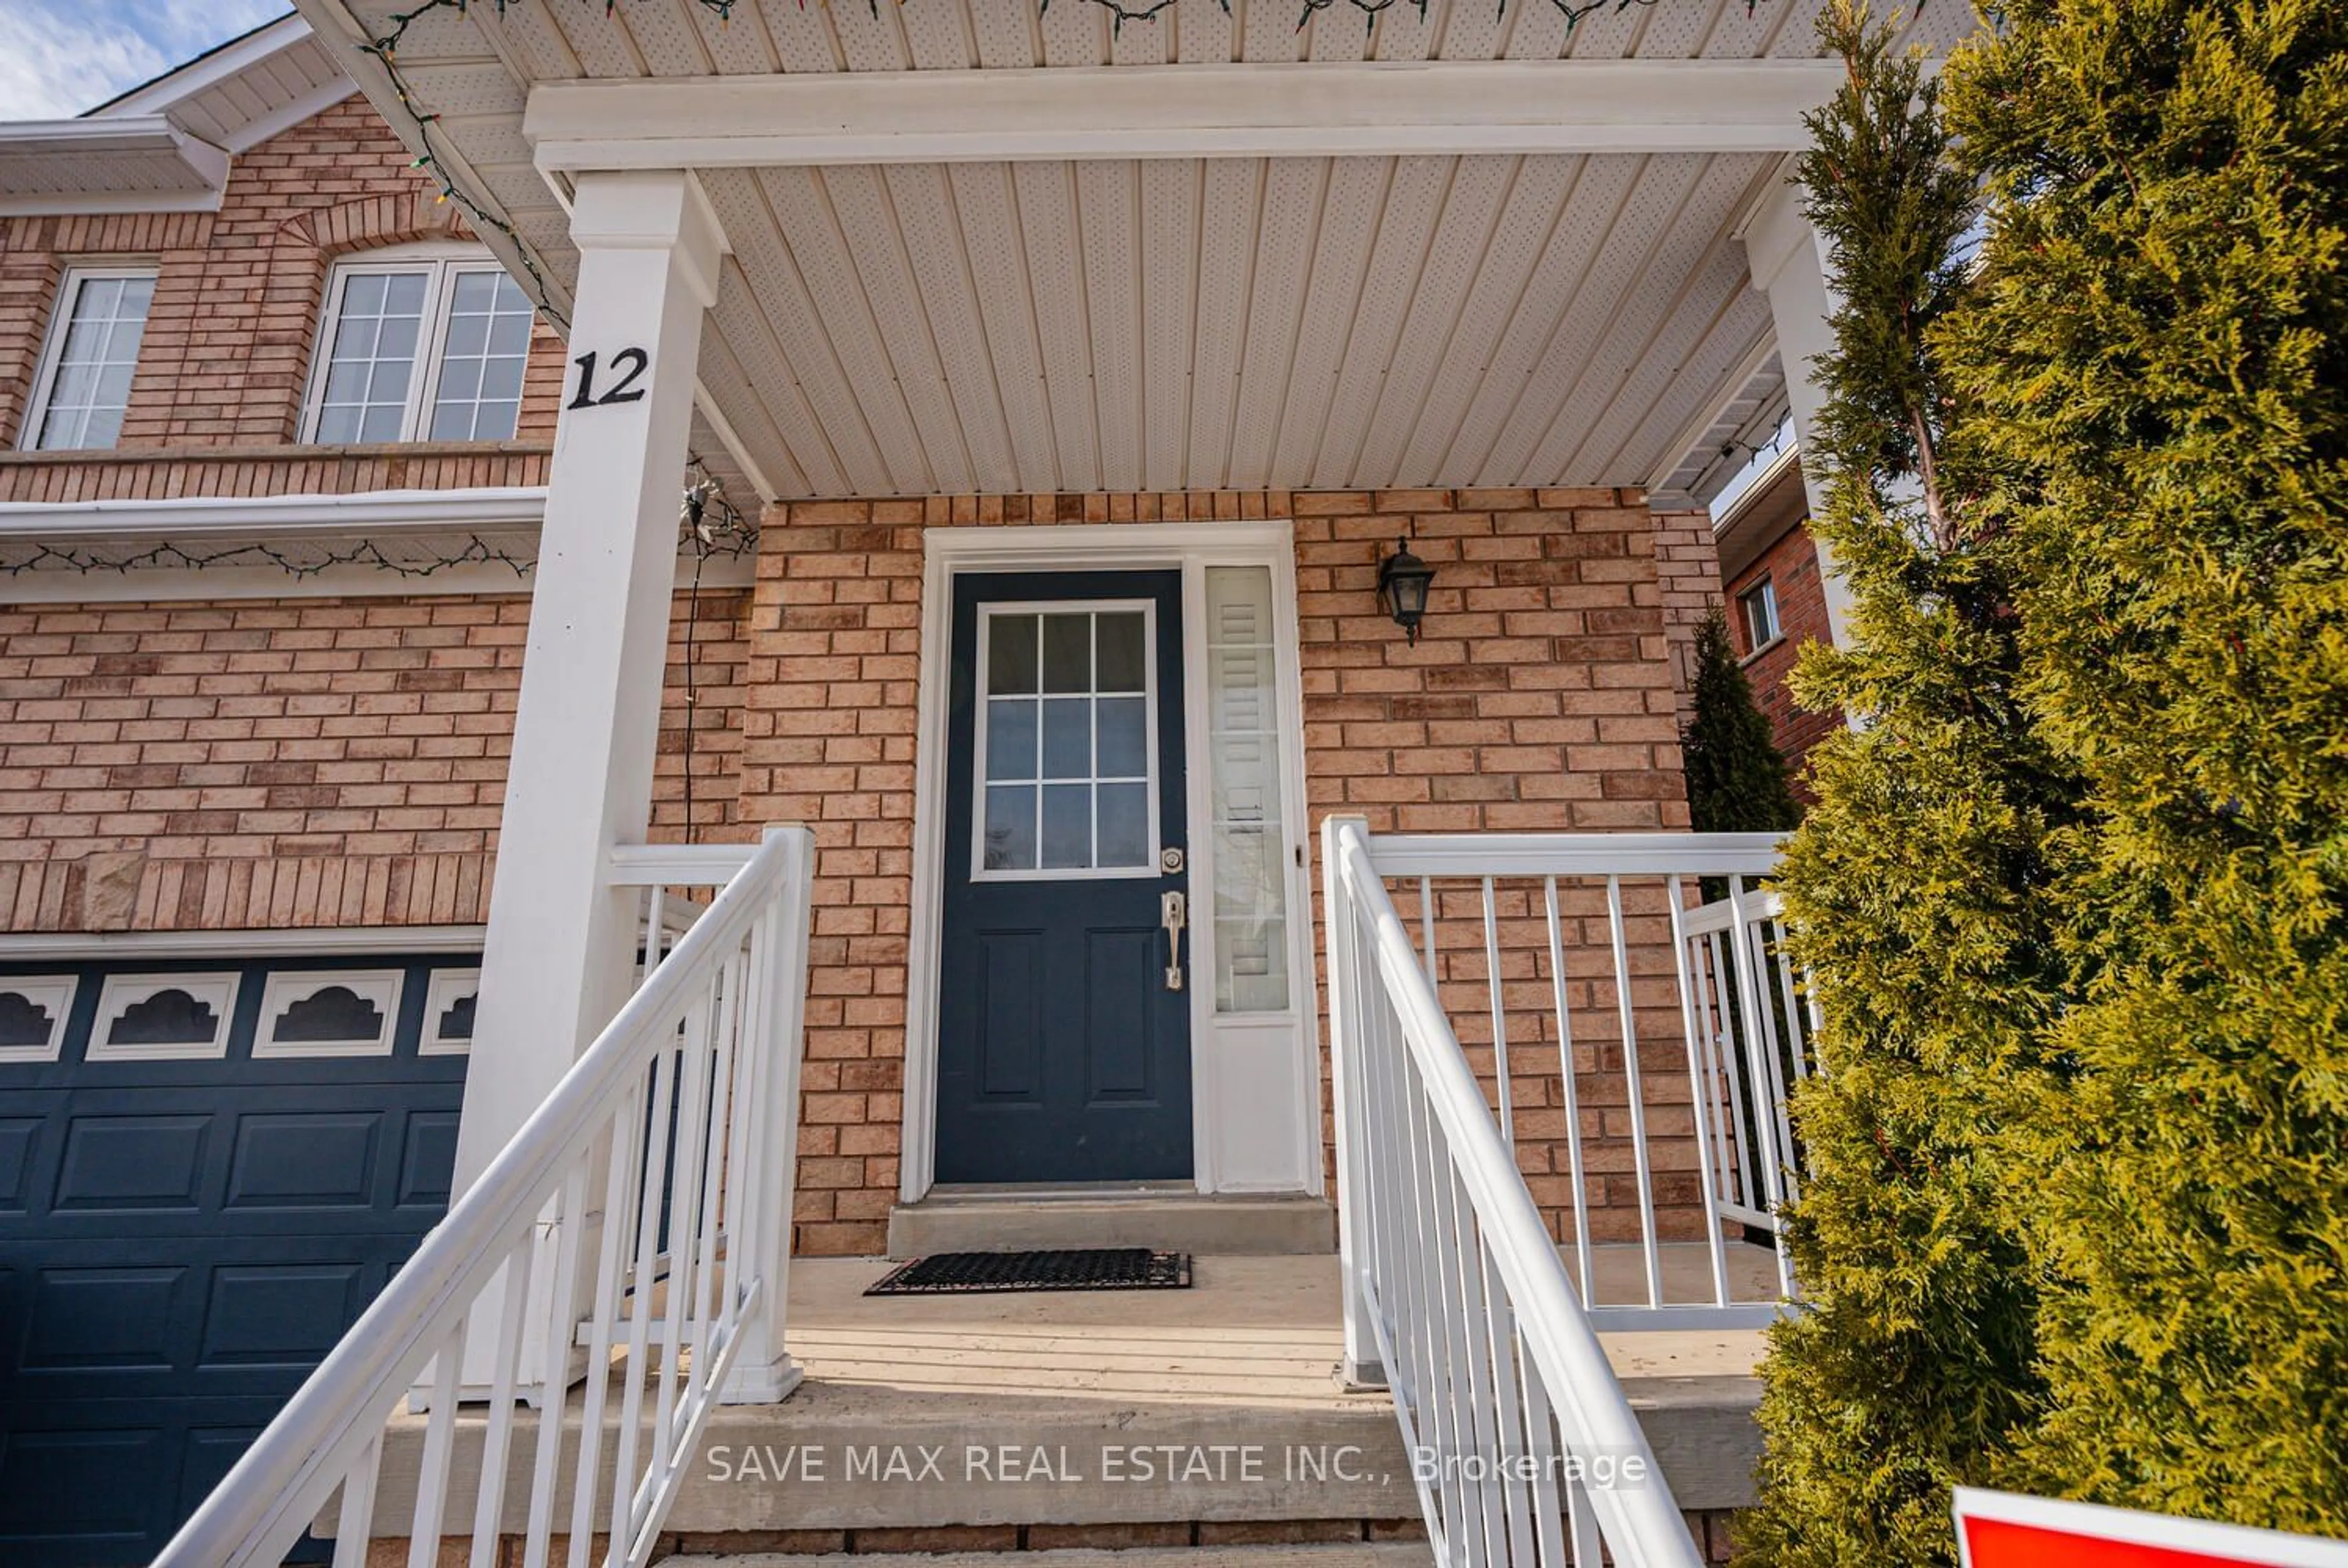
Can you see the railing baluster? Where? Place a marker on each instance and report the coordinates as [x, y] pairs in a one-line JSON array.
[[439, 1439], [1723, 990], [683, 1212], [1651, 1255], [1466, 1326], [649, 1213], [713, 1174], [1426, 931], [488, 1493], [1488, 1294], [656, 928], [732, 1237], [1751, 1002], [1692, 1026], [1437, 1418], [623, 1162], [1499, 1017], [1785, 968], [1573, 1102], [1540, 1443], [562, 1320], [354, 1524]]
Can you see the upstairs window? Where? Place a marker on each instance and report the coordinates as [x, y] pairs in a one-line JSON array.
[[1760, 606], [83, 385], [419, 349]]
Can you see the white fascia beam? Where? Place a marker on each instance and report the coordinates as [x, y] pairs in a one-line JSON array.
[[276, 516], [226, 63], [1370, 107]]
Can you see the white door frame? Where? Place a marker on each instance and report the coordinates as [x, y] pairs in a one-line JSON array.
[[1190, 549]]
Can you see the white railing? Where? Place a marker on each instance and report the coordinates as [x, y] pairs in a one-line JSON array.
[[632, 1239], [1457, 1293]]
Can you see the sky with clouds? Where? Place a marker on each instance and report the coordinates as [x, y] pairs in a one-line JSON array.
[[58, 58]]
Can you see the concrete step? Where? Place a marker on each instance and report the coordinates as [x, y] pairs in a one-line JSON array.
[[1359, 1554], [1021, 1219]]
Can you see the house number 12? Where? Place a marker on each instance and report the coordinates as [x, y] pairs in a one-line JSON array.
[[634, 362]]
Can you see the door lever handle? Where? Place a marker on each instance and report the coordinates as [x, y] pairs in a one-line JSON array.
[[1174, 911]]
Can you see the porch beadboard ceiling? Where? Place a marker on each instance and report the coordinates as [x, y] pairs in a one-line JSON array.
[[897, 328]]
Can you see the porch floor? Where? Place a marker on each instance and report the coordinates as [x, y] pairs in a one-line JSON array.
[[1218, 1403], [1263, 1332]]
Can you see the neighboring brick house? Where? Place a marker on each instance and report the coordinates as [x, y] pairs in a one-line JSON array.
[[292, 462], [262, 623], [1776, 596]]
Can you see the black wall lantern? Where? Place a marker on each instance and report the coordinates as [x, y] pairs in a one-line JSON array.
[[1402, 587]]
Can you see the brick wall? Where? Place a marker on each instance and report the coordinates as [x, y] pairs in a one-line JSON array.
[[1539, 696], [1687, 566], [227, 350], [1791, 566], [300, 762]]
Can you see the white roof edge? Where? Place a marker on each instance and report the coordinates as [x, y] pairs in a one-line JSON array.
[[119, 129], [1790, 456], [208, 70], [279, 516]]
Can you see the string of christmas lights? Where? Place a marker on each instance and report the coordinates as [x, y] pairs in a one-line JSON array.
[[710, 526], [384, 48]]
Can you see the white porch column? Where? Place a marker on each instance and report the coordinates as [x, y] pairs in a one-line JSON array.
[[560, 957], [1783, 254]]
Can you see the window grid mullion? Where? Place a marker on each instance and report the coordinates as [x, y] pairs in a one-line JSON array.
[[431, 347]]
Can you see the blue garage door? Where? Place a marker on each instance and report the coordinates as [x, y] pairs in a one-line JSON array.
[[207, 1170]]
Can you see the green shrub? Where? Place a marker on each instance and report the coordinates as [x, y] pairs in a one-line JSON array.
[[1916, 884], [2160, 343]]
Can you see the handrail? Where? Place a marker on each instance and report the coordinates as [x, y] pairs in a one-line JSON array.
[[711, 1038], [1639, 1523], [1576, 854], [1638, 970]]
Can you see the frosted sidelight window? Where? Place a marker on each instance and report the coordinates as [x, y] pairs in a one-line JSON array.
[[1251, 840]]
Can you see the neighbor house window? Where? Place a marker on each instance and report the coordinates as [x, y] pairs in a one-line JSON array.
[[1760, 606], [83, 383], [420, 349]]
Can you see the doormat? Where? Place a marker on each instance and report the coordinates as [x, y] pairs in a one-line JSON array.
[[976, 1272]]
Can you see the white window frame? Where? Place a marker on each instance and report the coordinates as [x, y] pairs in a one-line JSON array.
[[53, 349], [443, 991], [1154, 783], [53, 994], [1765, 590], [217, 988], [445, 261], [383, 988]]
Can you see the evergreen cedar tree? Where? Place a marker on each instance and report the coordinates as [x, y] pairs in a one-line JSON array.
[[2157, 355], [1915, 889], [2074, 894], [1736, 780]]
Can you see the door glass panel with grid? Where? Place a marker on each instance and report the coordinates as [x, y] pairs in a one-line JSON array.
[[1069, 776]]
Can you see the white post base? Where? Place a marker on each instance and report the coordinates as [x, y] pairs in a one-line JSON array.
[[768, 1384]]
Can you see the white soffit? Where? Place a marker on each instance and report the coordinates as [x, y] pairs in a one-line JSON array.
[[1362, 312], [165, 147]]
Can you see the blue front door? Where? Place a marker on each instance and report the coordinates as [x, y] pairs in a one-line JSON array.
[[1063, 1039]]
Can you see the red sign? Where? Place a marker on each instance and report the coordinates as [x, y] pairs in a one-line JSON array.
[[2001, 1530]]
